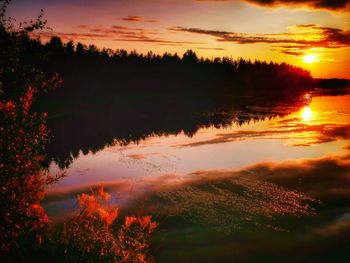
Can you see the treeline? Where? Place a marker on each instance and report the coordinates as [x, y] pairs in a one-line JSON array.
[[122, 96], [332, 83], [110, 96], [93, 126], [89, 71]]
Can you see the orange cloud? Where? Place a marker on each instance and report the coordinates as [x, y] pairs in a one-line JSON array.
[[138, 19], [338, 5], [317, 4], [303, 37], [114, 33]]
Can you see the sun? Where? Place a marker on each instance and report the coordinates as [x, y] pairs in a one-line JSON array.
[[309, 58], [306, 114]]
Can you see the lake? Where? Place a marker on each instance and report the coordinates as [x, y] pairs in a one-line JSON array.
[[258, 181]]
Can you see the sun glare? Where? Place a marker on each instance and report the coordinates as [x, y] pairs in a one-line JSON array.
[[306, 114], [309, 58]]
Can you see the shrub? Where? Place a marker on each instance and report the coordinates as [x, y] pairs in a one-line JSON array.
[[94, 234]]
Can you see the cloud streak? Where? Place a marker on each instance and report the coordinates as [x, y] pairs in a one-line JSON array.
[[338, 5], [138, 19], [303, 37], [115, 33], [317, 4]]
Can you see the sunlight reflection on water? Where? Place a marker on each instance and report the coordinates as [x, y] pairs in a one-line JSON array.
[[317, 130], [306, 114]]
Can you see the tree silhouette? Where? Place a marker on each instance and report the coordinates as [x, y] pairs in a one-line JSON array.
[[132, 96], [23, 134], [190, 57], [93, 235]]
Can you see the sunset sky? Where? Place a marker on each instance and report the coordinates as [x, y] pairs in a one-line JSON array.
[[311, 34]]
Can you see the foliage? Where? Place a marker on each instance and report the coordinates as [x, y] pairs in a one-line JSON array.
[[95, 235], [22, 180], [22, 136], [134, 236], [24, 229]]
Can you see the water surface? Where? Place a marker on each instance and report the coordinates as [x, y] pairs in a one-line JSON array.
[[253, 182], [316, 128]]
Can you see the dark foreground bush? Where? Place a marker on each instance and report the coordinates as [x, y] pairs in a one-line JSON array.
[[93, 235]]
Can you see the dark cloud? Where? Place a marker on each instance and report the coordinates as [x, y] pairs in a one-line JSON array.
[[155, 40], [211, 48], [239, 38], [115, 33], [330, 37], [338, 5], [292, 53], [286, 42], [65, 36], [138, 19], [317, 4]]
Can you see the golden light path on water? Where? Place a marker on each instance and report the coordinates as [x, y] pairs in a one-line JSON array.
[[317, 130], [306, 114]]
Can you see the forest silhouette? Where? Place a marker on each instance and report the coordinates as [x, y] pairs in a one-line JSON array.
[[118, 96]]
